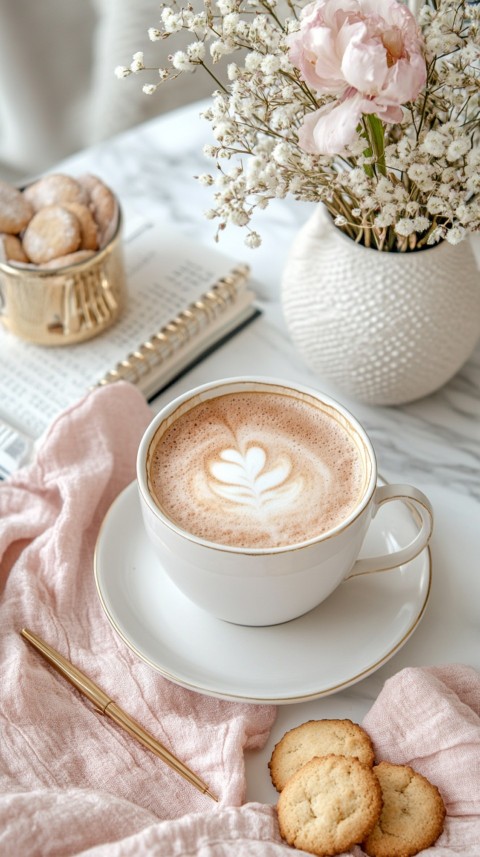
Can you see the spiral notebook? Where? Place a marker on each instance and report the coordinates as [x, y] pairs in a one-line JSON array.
[[184, 300]]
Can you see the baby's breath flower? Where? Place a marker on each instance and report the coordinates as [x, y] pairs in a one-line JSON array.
[[419, 172], [196, 51], [253, 240], [230, 23], [199, 25], [458, 148], [137, 63], [238, 217], [253, 61], [282, 153], [172, 22], [412, 208], [226, 6], [386, 217], [292, 25], [421, 224], [404, 149], [270, 64], [221, 49], [400, 194], [368, 202], [469, 53], [358, 180], [262, 202], [288, 94], [153, 34], [205, 179], [473, 183], [405, 226], [295, 185], [456, 234], [122, 71], [224, 132], [433, 144], [443, 190], [210, 151], [181, 61], [449, 175], [281, 119], [188, 18], [466, 213], [149, 88]]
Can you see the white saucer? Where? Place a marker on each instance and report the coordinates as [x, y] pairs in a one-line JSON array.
[[354, 632]]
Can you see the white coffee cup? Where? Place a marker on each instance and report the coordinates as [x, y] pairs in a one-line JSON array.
[[269, 585]]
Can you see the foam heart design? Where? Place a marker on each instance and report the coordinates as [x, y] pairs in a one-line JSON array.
[[245, 478]]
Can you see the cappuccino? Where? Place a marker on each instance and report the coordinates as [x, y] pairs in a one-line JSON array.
[[257, 469]]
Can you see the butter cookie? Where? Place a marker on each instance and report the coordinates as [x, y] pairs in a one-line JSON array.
[[317, 738], [413, 813], [88, 227], [52, 232], [15, 210], [13, 250], [69, 259], [103, 206], [54, 189], [329, 805]]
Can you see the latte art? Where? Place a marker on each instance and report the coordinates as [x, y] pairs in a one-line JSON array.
[[256, 470], [246, 479]]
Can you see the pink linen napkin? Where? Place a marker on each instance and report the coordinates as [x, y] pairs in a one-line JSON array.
[[430, 719], [52, 739], [71, 783]]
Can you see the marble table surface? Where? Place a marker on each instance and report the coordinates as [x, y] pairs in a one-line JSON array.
[[433, 443]]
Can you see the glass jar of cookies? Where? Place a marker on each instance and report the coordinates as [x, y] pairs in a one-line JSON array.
[[62, 277]]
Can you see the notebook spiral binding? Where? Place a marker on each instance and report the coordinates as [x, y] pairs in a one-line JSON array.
[[166, 341]]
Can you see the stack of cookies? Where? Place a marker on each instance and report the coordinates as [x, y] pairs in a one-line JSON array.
[[62, 277], [333, 797], [57, 221]]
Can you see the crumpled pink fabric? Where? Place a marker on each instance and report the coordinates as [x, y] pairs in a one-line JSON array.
[[52, 740], [430, 719], [71, 782]]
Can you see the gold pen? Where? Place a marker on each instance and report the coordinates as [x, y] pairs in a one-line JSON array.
[[104, 705]]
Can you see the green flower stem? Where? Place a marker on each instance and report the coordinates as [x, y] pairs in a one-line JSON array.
[[376, 137], [367, 153]]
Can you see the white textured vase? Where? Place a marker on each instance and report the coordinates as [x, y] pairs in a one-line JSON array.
[[384, 328]]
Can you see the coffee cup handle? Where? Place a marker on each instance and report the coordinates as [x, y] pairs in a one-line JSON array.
[[406, 493]]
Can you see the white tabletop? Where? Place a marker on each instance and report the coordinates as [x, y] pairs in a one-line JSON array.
[[433, 443]]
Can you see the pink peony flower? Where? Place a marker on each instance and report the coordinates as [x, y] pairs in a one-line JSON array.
[[367, 53]]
